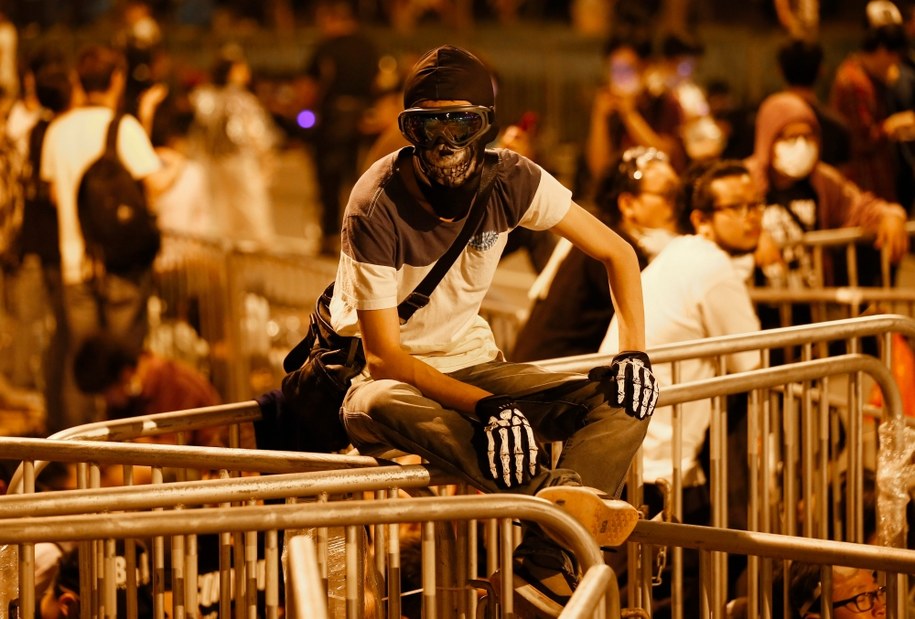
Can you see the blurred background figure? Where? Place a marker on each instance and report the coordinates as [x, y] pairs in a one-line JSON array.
[[800, 63], [133, 384], [140, 38], [674, 76], [338, 87], [9, 69], [185, 207], [862, 93], [234, 136], [34, 284], [625, 113]]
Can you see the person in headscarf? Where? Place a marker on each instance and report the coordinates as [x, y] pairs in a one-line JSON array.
[[802, 194]]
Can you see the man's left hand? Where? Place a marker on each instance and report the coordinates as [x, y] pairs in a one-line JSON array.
[[630, 383]]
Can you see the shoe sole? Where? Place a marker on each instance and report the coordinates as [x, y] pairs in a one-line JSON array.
[[610, 521]]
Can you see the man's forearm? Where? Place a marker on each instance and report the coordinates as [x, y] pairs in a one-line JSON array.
[[433, 384]]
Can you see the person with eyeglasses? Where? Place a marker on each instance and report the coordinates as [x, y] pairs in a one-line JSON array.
[[437, 385], [697, 288], [639, 199], [855, 592]]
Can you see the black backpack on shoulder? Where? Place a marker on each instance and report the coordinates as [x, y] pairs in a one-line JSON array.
[[39, 234], [118, 227]]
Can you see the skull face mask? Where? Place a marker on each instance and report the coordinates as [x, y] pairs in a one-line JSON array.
[[448, 117], [448, 166]]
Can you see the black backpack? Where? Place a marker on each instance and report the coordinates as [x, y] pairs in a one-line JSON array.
[[39, 234], [119, 229]]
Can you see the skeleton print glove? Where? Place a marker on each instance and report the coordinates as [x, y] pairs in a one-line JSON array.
[[630, 383], [509, 451]]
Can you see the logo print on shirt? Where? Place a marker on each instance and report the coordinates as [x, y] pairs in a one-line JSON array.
[[484, 240]]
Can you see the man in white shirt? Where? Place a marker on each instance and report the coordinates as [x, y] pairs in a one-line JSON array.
[[114, 302], [696, 288]]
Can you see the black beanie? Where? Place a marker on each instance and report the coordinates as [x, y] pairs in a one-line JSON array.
[[448, 73]]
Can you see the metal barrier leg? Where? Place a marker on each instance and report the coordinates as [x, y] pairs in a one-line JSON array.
[[394, 568], [430, 607], [355, 572]]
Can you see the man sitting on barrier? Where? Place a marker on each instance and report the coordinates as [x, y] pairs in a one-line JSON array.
[[437, 385], [697, 288]]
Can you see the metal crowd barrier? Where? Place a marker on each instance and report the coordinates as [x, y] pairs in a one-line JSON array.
[[800, 420], [249, 305], [804, 460], [100, 515], [892, 562]]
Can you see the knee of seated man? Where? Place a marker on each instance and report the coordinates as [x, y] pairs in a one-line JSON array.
[[382, 398]]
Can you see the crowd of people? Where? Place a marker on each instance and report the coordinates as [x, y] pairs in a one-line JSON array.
[[676, 210]]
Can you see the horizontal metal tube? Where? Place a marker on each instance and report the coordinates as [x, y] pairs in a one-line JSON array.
[[302, 515], [216, 491], [178, 456], [834, 330], [165, 423], [789, 373], [775, 546]]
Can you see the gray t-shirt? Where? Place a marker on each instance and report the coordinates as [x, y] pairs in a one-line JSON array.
[[390, 242]]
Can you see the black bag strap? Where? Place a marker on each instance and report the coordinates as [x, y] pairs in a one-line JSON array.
[[419, 298], [111, 139]]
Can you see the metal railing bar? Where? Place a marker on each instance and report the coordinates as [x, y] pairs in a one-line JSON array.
[[845, 295], [769, 338], [775, 546], [300, 515], [164, 423], [184, 456], [590, 591], [792, 372], [210, 491]]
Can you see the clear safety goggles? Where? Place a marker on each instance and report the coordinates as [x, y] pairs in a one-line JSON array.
[[456, 126]]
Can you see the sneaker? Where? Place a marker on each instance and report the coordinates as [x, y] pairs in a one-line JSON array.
[[530, 600], [544, 576], [610, 521]]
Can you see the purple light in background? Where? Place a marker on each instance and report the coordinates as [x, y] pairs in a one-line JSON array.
[[306, 119]]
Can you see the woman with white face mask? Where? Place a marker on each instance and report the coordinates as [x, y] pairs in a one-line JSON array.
[[803, 194], [796, 152]]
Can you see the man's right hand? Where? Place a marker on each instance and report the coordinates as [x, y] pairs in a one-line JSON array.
[[508, 444]]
